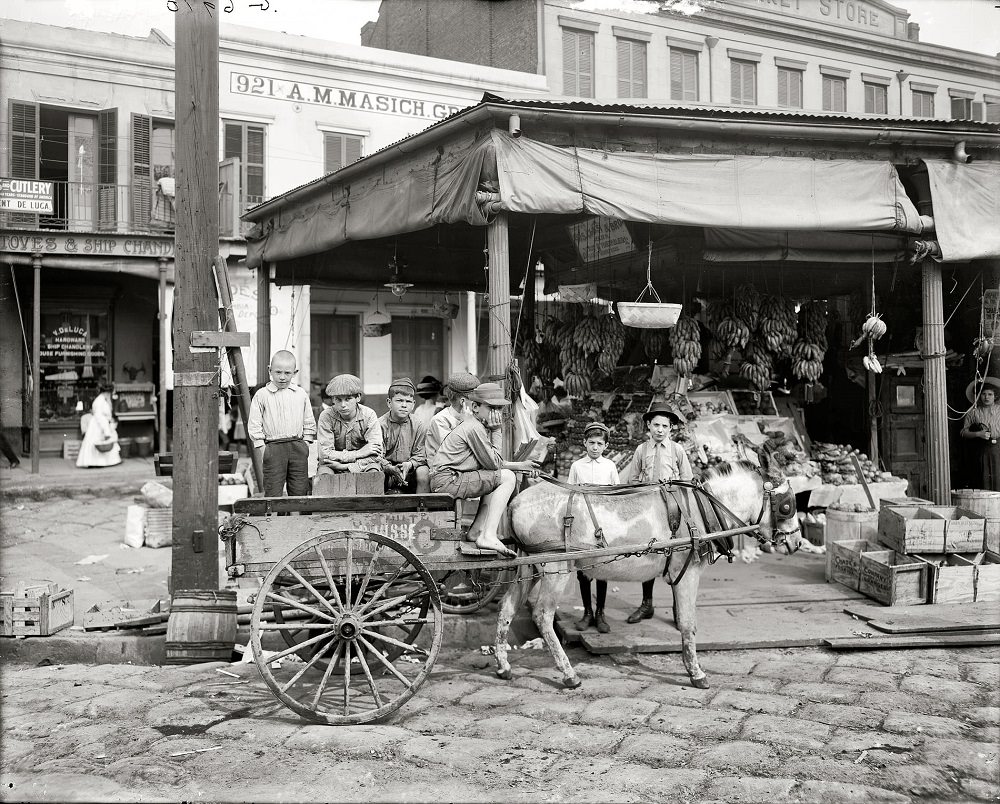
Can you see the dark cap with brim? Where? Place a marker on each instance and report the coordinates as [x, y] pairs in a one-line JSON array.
[[662, 410]]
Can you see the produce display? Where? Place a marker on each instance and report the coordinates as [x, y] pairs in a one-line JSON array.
[[838, 469], [810, 348], [685, 345], [779, 451]]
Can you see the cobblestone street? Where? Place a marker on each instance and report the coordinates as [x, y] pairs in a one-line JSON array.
[[777, 725]]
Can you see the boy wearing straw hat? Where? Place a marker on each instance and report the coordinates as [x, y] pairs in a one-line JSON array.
[[658, 460], [469, 464], [350, 438]]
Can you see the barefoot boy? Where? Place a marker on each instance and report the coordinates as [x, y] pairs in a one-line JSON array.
[[403, 438], [595, 470], [350, 438], [657, 460], [468, 464], [457, 388], [280, 426]]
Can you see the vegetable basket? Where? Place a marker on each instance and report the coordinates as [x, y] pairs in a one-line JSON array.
[[649, 315]]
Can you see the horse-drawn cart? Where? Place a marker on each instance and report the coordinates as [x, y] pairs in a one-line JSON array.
[[353, 586]]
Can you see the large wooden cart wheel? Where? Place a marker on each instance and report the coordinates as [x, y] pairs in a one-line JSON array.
[[371, 631], [467, 591]]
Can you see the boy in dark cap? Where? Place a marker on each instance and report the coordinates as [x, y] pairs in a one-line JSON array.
[[428, 390], [657, 460], [469, 464], [350, 438], [457, 388], [403, 439]]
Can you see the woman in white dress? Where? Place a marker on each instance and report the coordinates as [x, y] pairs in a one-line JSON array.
[[100, 430]]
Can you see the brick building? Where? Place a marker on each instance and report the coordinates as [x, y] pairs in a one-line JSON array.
[[846, 56]]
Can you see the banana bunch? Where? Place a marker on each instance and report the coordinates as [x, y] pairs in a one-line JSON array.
[[653, 341], [587, 334], [746, 306], [685, 344], [807, 360], [733, 332], [576, 384], [812, 323], [981, 348], [871, 363], [758, 363], [776, 323]]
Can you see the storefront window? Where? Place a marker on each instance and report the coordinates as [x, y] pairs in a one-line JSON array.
[[74, 360]]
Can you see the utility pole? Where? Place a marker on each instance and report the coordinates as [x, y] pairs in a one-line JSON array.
[[195, 558]]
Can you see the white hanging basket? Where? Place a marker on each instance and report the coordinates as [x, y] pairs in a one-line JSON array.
[[376, 325], [649, 315], [578, 294]]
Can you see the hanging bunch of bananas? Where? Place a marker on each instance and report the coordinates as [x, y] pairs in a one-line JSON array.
[[733, 332], [587, 334], [776, 323], [809, 349], [746, 306], [758, 363], [576, 384], [612, 343], [653, 341], [685, 344]]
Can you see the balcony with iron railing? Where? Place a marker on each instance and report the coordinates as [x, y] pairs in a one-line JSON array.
[[122, 209]]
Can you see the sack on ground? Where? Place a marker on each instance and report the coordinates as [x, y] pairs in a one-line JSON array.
[[157, 495], [135, 525]]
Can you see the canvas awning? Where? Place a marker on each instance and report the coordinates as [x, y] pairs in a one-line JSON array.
[[438, 185], [966, 199]]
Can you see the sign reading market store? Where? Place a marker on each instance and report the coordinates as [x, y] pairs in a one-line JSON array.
[[27, 195]]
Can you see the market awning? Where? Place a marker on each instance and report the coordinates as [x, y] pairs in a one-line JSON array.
[[438, 185], [966, 199], [741, 245]]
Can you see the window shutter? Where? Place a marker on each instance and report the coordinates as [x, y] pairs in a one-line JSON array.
[[233, 142], [750, 83], [690, 61], [624, 69], [734, 82], [571, 78], [142, 170], [993, 112], [107, 169], [24, 139], [255, 164], [783, 79], [796, 93], [977, 111], [676, 76], [827, 95], [957, 108], [586, 65], [333, 150], [639, 70], [352, 150]]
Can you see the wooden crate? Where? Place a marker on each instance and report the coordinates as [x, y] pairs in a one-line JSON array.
[[988, 578], [349, 484], [71, 449], [931, 529], [904, 502], [843, 561], [36, 614], [159, 528], [893, 578], [951, 577]]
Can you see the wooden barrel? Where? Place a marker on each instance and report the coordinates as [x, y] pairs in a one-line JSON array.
[[982, 502], [202, 626], [848, 525]]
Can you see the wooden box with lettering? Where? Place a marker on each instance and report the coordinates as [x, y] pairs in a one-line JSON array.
[[844, 560], [951, 577], [893, 578], [931, 529]]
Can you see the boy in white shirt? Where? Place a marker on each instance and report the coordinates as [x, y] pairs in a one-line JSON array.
[[596, 470]]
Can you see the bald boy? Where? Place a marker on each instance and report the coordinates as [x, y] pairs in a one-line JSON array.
[[281, 425]]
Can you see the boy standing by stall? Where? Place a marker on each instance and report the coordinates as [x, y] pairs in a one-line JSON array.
[[658, 460], [403, 439], [350, 437], [469, 464], [594, 470], [280, 426]]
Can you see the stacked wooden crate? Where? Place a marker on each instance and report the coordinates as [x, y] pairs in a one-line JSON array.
[[35, 609]]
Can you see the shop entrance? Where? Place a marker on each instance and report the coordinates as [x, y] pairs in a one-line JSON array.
[[417, 347], [333, 349], [903, 429]]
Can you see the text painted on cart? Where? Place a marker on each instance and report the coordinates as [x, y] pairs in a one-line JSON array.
[[301, 92]]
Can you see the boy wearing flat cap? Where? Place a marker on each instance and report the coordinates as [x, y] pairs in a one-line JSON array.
[[658, 460], [457, 388], [403, 440], [350, 437], [469, 464]]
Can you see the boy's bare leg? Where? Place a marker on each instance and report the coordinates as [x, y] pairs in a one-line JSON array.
[[423, 480], [495, 504]]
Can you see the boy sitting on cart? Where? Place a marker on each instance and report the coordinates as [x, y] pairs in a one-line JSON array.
[[349, 434], [403, 438], [469, 464]]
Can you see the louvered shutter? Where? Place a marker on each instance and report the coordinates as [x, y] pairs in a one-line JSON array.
[[977, 111], [333, 152], [795, 82], [24, 140], [142, 170], [255, 164], [638, 70], [992, 112], [352, 150], [676, 76], [783, 90], [624, 68], [571, 79], [107, 169], [827, 95], [586, 65], [690, 62], [750, 83], [233, 142]]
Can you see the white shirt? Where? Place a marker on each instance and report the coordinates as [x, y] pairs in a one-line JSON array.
[[599, 472]]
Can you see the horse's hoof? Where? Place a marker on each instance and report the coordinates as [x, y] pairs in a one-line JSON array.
[[700, 683], [572, 682], [506, 675]]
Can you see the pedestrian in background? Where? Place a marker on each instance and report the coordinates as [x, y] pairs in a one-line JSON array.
[[100, 439], [982, 427], [428, 390]]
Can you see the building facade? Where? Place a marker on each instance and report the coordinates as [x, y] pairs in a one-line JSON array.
[[91, 116], [848, 56]]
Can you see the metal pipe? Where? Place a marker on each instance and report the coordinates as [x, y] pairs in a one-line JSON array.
[[36, 359], [959, 154], [471, 341], [164, 356], [145, 268]]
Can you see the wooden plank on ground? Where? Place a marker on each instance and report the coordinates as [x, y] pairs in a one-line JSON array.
[[912, 641], [933, 617]]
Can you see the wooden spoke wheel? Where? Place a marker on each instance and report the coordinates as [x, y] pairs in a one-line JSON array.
[[351, 606], [467, 591]]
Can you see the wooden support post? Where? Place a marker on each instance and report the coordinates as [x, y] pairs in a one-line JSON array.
[[195, 556], [164, 357], [264, 322], [236, 365], [498, 355], [36, 359], [935, 391]]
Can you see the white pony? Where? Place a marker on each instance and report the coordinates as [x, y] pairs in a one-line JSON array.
[[630, 516]]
